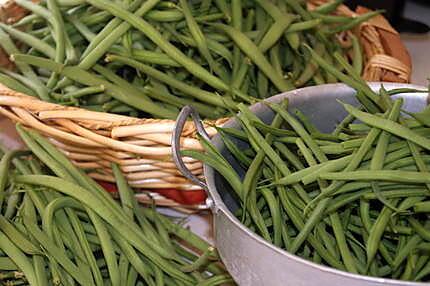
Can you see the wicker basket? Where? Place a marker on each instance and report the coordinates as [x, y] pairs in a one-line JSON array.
[[95, 139], [386, 58], [92, 140]]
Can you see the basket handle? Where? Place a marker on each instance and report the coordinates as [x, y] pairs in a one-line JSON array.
[[176, 137]]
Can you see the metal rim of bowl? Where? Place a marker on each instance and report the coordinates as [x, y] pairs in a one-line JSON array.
[[217, 205]]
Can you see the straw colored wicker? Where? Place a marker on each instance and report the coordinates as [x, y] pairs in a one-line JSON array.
[[142, 146], [92, 140]]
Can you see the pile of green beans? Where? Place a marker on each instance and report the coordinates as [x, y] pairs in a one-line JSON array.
[[59, 227], [150, 58], [356, 199]]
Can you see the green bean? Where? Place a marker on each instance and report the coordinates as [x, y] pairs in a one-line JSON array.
[[29, 40], [309, 225], [236, 11], [318, 79], [311, 173], [328, 7], [422, 260], [297, 220], [157, 38], [385, 175], [406, 90], [212, 45], [132, 277], [344, 78], [14, 84], [275, 214], [87, 78], [61, 162], [410, 202], [55, 251], [24, 68], [347, 196], [27, 82], [223, 7], [165, 96], [101, 194], [107, 247], [202, 19], [423, 272], [110, 30], [79, 193], [331, 19], [7, 264], [202, 95], [301, 131], [305, 152], [236, 133], [172, 15], [35, 8], [310, 68], [5, 163], [198, 36], [377, 161], [422, 207], [243, 70], [356, 21], [274, 157], [338, 230], [200, 261], [27, 20], [205, 6], [398, 194], [22, 242], [253, 52], [237, 153], [419, 229], [127, 203], [348, 119], [357, 60], [377, 230], [249, 194], [275, 32], [57, 23], [153, 58], [216, 280], [289, 155], [132, 256], [304, 25], [422, 167], [275, 59], [18, 258], [352, 165], [83, 92], [405, 251], [123, 266], [38, 261]]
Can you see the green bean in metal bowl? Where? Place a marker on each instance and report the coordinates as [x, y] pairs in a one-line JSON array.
[[356, 199], [150, 58], [59, 227]]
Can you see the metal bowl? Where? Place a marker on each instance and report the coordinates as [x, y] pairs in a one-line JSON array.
[[250, 259]]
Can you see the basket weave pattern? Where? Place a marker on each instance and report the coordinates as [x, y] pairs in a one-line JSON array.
[[92, 140]]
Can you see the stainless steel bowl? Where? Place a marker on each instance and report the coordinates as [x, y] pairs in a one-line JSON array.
[[250, 259]]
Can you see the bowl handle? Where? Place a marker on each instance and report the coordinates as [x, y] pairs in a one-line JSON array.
[[177, 131]]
